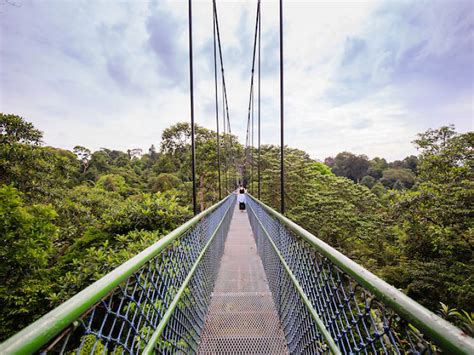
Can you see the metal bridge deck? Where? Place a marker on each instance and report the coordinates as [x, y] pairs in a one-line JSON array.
[[242, 317]]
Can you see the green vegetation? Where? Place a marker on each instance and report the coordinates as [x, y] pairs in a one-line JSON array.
[[410, 221], [425, 234], [67, 218]]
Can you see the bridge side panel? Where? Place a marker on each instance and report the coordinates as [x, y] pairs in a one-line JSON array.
[[125, 320], [340, 314]]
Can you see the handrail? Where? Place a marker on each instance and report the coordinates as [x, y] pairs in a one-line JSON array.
[[39, 333], [443, 333], [325, 333], [150, 348]]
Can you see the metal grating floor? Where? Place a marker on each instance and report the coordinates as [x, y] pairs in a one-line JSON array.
[[242, 317]]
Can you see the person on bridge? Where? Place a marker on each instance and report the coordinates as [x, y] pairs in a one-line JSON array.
[[241, 198]]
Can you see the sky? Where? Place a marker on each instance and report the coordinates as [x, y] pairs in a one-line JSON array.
[[360, 76]]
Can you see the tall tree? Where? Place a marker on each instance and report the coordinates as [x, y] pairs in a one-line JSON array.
[[434, 224], [84, 155], [352, 166], [14, 129], [377, 166]]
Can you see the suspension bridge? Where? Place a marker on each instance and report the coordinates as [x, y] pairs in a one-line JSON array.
[[227, 282]]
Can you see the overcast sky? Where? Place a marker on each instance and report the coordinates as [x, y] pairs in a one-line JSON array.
[[362, 76]]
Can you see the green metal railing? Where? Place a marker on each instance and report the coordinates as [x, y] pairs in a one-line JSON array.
[[328, 303], [155, 302]]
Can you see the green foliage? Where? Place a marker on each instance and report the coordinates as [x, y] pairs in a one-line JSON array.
[[26, 246], [398, 185], [68, 218], [368, 181], [90, 345], [379, 190], [164, 182], [81, 208], [319, 168], [433, 225], [83, 154], [112, 182], [14, 129], [339, 212], [404, 177], [446, 157], [48, 256], [420, 240], [334, 209], [175, 157], [352, 166], [152, 212], [41, 173], [397, 175], [94, 256], [410, 163], [377, 166], [463, 319], [466, 320]]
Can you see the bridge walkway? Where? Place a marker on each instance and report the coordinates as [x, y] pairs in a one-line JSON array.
[[242, 317]]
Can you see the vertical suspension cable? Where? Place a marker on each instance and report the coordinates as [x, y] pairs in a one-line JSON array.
[[282, 142], [251, 144], [191, 92], [217, 106], [259, 52], [225, 139], [248, 138], [231, 143], [225, 101]]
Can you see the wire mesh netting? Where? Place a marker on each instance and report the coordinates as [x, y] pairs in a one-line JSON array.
[[124, 321], [357, 321], [242, 316]]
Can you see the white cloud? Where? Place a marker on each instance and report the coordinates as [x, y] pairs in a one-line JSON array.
[[115, 74]]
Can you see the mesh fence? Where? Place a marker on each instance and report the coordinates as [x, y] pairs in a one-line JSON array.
[[357, 321], [124, 321], [242, 317]]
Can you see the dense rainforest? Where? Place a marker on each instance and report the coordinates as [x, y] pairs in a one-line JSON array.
[[69, 217]]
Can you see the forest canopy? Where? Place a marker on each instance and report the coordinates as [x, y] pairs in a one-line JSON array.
[[69, 217]]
